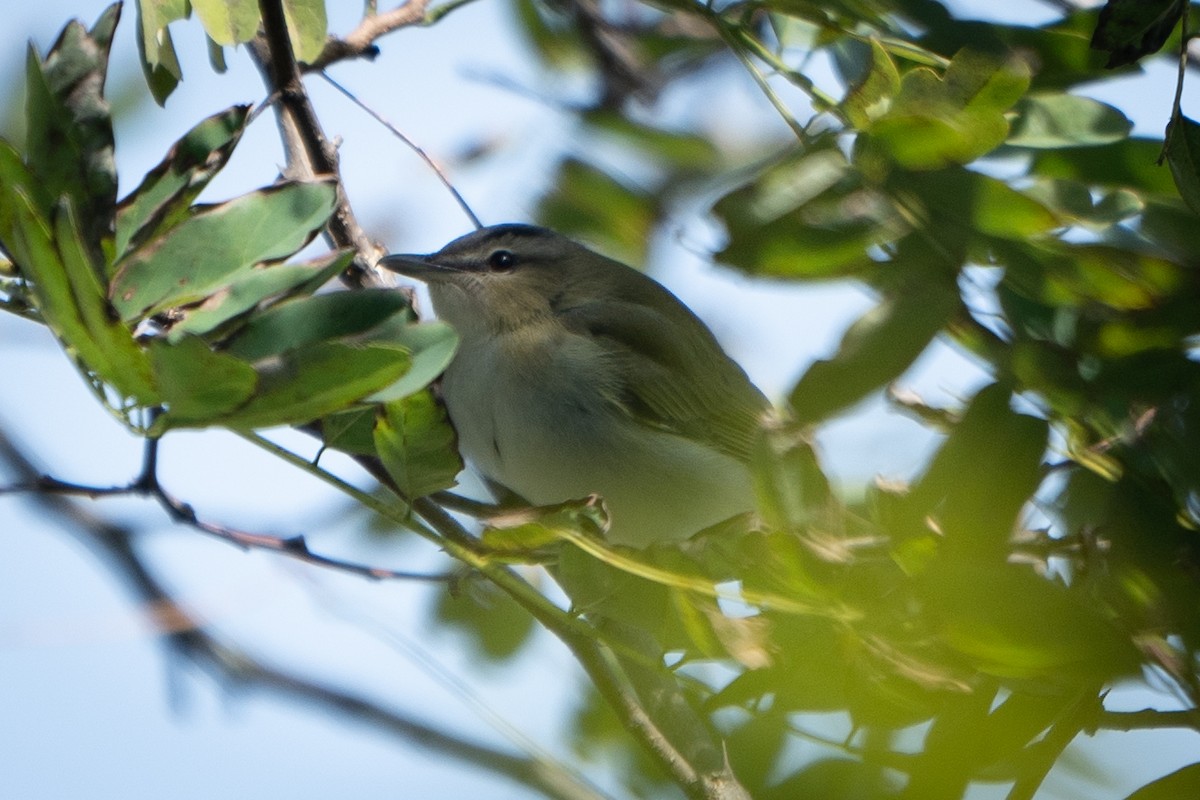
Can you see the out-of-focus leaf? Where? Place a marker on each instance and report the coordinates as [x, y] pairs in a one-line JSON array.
[[685, 151], [958, 203], [164, 195], [1074, 202], [1127, 164], [1066, 120], [253, 286], [295, 323], [985, 613], [69, 140], [590, 204], [1130, 29], [1183, 782], [981, 478], [789, 486], [871, 97], [206, 251], [417, 445], [306, 26], [1068, 275], [160, 64], [809, 217], [1183, 154], [198, 384], [953, 119], [875, 350], [228, 22], [489, 619]]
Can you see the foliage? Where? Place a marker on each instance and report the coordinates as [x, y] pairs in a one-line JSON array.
[[1046, 552]]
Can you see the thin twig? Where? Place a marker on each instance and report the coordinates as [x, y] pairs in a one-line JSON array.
[[411, 145], [187, 634], [360, 42]]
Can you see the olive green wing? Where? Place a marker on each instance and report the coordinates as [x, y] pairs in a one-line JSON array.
[[672, 374]]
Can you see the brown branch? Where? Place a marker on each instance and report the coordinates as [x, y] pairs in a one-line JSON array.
[[186, 634], [147, 485], [309, 151], [1146, 719], [360, 42]]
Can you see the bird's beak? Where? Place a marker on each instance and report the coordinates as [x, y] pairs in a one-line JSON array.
[[418, 266]]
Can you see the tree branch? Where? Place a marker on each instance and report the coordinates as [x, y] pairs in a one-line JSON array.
[[187, 635]]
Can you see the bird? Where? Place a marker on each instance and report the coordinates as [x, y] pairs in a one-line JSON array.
[[576, 375]]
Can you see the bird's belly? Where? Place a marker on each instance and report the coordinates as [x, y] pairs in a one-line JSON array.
[[551, 439]]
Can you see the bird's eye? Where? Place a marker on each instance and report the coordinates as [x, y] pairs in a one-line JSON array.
[[502, 261]]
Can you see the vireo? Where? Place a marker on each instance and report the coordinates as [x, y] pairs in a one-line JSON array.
[[577, 374]]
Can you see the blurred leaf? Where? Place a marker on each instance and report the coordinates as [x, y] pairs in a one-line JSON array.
[[228, 22], [295, 323], [958, 203], [981, 478], [875, 350], [808, 217], [1183, 782], [589, 204], [1065, 120], [936, 121], [160, 64], [789, 486], [1061, 274], [685, 151], [206, 251], [198, 384], [252, 287], [417, 445], [1183, 155], [985, 610], [69, 139], [1073, 202], [307, 27], [1129, 163], [870, 97], [166, 193], [1130, 29], [490, 619]]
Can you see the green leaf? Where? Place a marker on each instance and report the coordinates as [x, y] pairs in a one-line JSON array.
[[430, 344], [679, 150], [790, 489], [809, 217], [156, 49], [938, 121], [307, 27], [63, 282], [875, 350], [228, 22], [960, 202], [69, 140], [254, 286], [1129, 163], [871, 97], [206, 251], [105, 344], [1073, 201], [417, 445], [490, 619], [979, 481], [1065, 120], [165, 194], [588, 203], [1130, 29], [1183, 782], [316, 381], [985, 611], [199, 385], [1068, 275], [295, 323], [1183, 155]]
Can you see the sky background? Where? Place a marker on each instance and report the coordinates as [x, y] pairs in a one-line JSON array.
[[90, 706]]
